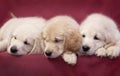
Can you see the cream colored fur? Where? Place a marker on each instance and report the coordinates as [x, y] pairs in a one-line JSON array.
[[16, 31], [107, 40]]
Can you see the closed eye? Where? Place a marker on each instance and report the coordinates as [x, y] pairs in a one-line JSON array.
[[96, 38], [26, 43], [57, 40], [15, 37], [43, 38]]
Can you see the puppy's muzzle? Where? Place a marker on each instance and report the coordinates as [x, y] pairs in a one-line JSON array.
[[85, 48], [48, 53], [13, 49]]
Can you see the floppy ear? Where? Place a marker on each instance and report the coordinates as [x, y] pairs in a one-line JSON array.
[[73, 41], [38, 47], [5, 43], [42, 44], [9, 40], [107, 38]]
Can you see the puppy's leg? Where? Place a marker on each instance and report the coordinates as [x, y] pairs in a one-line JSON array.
[[3, 45], [113, 51], [101, 52], [70, 58]]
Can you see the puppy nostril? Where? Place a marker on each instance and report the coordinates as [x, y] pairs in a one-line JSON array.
[[85, 48], [13, 49], [48, 53]]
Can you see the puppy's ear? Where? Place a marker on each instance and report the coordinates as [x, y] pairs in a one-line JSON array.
[[42, 44], [107, 38], [37, 47], [108, 41], [73, 41], [9, 39]]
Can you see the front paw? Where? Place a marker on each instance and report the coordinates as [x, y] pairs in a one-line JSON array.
[[113, 52], [70, 58], [101, 52]]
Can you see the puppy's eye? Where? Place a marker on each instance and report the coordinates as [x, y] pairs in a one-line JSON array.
[[26, 43], [83, 35], [56, 41], [15, 37], [96, 38], [44, 39]]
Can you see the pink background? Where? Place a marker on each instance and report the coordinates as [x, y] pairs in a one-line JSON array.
[[38, 65]]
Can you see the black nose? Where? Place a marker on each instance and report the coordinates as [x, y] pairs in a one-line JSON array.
[[48, 53], [85, 48], [13, 49]]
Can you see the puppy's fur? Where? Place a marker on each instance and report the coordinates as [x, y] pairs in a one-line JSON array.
[[100, 36], [20, 36], [61, 37]]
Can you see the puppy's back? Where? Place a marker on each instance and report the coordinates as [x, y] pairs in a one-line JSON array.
[[63, 21], [97, 19], [14, 23]]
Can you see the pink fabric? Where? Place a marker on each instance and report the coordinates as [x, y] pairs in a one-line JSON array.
[[39, 65]]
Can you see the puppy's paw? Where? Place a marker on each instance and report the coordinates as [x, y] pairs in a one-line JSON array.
[[113, 51], [70, 58], [101, 52]]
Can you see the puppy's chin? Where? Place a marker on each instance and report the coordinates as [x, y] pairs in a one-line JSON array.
[[17, 53], [51, 56], [55, 54], [86, 53]]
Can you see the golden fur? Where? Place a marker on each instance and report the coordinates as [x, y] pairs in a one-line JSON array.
[[66, 31]]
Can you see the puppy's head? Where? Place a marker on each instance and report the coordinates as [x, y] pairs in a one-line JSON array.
[[53, 41], [96, 32], [22, 44], [92, 40], [60, 35], [24, 37]]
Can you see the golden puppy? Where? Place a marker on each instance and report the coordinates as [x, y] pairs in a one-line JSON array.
[[61, 37]]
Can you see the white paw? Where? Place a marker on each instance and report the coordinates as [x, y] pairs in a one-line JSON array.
[[113, 51], [101, 52], [70, 58]]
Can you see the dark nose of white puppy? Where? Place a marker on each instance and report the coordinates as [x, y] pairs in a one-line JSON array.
[[85, 48], [48, 53], [13, 49]]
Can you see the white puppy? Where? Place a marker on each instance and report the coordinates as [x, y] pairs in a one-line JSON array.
[[20, 36], [100, 36]]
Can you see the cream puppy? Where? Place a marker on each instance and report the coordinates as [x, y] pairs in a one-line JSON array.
[[20, 36], [100, 36], [61, 37]]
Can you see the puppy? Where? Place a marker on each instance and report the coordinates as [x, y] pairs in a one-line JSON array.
[[20, 36], [61, 37], [100, 36]]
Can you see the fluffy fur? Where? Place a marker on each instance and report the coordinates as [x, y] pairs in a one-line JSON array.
[[100, 36], [61, 37], [20, 36]]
